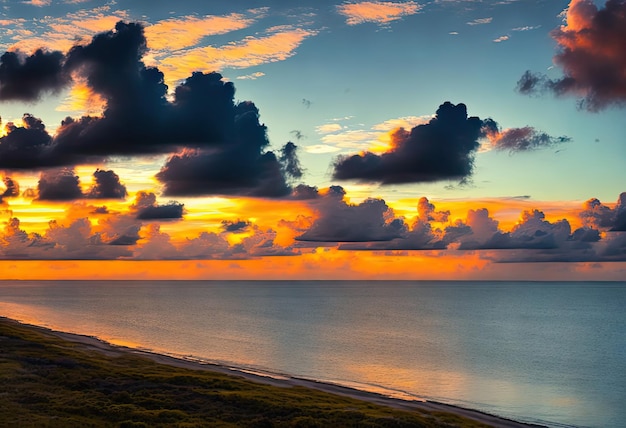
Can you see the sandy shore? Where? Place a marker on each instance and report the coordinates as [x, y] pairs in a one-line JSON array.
[[93, 343]]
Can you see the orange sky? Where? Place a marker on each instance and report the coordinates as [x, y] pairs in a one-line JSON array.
[[308, 260]]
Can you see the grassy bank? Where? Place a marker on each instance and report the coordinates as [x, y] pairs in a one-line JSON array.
[[50, 382]]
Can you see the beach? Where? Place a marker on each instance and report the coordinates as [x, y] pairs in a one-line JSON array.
[[94, 344]]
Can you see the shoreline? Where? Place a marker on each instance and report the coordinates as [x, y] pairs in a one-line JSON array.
[[283, 381]]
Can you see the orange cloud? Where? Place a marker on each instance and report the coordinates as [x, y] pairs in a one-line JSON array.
[[38, 3], [184, 32], [81, 98], [506, 210], [250, 52], [380, 12]]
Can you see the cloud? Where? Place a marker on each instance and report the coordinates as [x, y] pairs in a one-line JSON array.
[[591, 55], [12, 188], [526, 28], [328, 128], [119, 230], [61, 33], [379, 12], [252, 76], [519, 139], [339, 221], [250, 52], [532, 238], [620, 214], [59, 185], [206, 245], [480, 21], [501, 39], [243, 168], [219, 137], [25, 78], [107, 186], [146, 208], [426, 212], [304, 192], [26, 145], [155, 245], [185, 31], [533, 231], [290, 162], [599, 216], [238, 226], [442, 149], [181, 36], [320, 149], [38, 3]]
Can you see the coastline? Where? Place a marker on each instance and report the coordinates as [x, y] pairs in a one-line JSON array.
[[91, 343]]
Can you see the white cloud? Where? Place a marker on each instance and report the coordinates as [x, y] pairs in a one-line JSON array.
[[328, 128], [321, 149], [480, 21], [252, 76]]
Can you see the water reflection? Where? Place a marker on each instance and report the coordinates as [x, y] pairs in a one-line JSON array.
[[543, 351]]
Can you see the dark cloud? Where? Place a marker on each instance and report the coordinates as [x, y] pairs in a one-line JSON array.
[[483, 232], [59, 185], [591, 56], [235, 226], [533, 231], [520, 139], [205, 112], [101, 210], [620, 214], [107, 186], [12, 188], [238, 170], [530, 82], [237, 162], [27, 145], [25, 78], [171, 210], [226, 145], [338, 221], [289, 160], [426, 211], [442, 149], [304, 192], [135, 118], [298, 135], [596, 215], [146, 208]]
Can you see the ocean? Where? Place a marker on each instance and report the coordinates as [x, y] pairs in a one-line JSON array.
[[552, 353]]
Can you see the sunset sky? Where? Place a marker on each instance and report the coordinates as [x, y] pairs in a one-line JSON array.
[[443, 139]]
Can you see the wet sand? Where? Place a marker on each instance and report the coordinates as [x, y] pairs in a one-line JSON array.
[[95, 344]]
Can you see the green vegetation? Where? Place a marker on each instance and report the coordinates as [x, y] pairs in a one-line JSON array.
[[50, 382]]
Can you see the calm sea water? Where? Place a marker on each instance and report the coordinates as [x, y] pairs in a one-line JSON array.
[[550, 353]]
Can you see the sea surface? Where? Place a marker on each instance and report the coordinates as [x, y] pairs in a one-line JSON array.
[[552, 353]]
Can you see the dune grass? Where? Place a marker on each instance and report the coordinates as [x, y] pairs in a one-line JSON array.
[[46, 381]]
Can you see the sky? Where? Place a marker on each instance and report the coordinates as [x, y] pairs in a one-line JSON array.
[[442, 139]]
